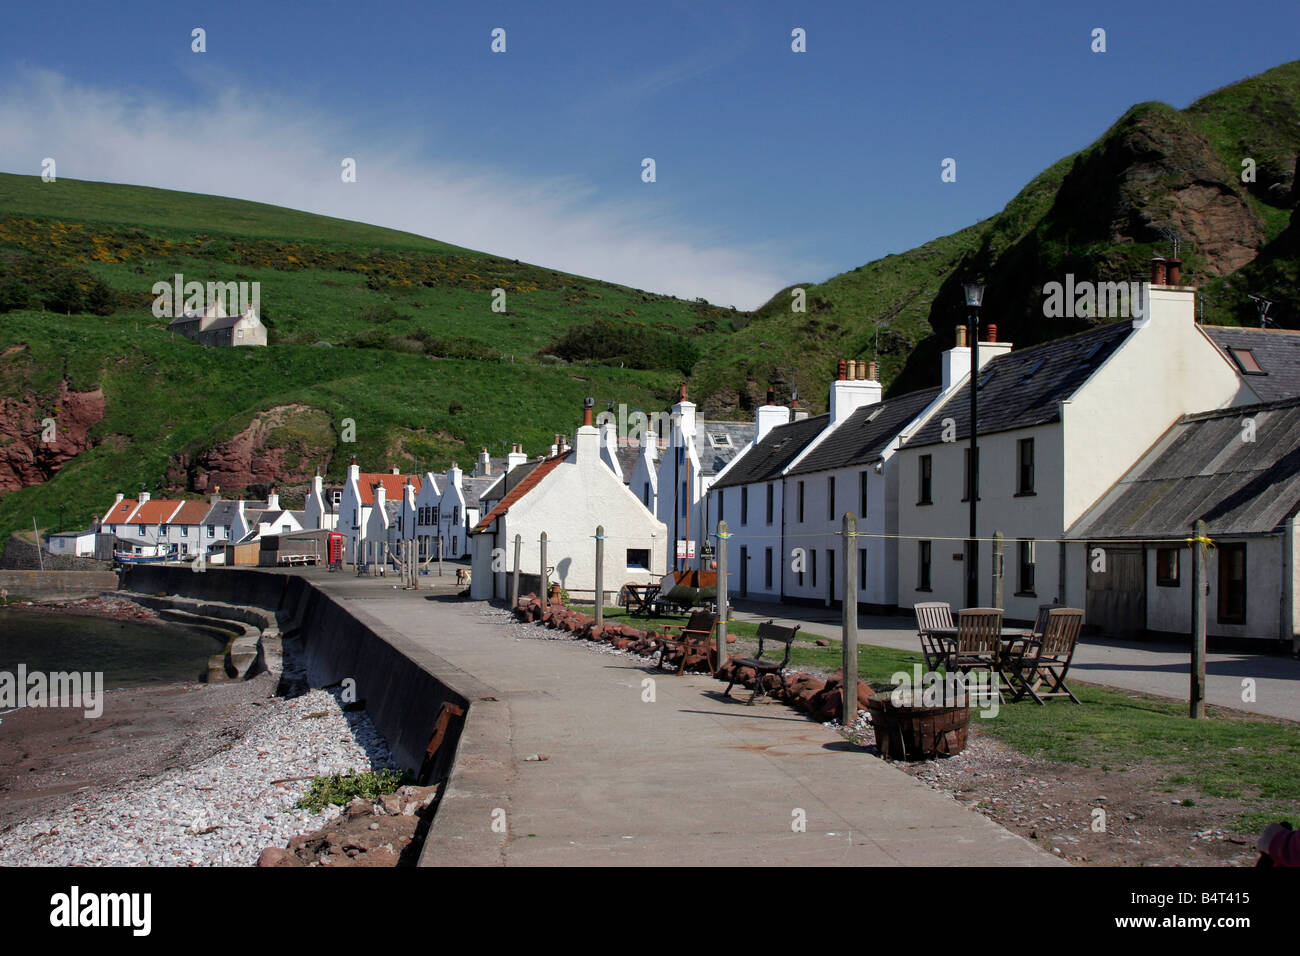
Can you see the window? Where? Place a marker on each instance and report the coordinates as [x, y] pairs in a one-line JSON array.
[[812, 565], [769, 503], [923, 565], [285, 528], [1232, 583], [141, 527], [337, 498], [862, 494], [1025, 466], [1029, 372], [1246, 361], [720, 441], [638, 559], [645, 494], [1025, 554], [455, 516], [924, 474], [862, 571], [212, 531], [1167, 567], [185, 532], [970, 480], [744, 505], [830, 498], [453, 545], [767, 568], [684, 500], [800, 502]]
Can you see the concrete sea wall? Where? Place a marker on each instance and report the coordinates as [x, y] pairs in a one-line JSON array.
[[57, 583], [403, 686]]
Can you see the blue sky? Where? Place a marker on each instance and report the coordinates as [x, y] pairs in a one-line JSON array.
[[772, 167]]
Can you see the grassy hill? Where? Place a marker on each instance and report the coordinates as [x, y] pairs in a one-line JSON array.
[[1100, 214], [389, 329]]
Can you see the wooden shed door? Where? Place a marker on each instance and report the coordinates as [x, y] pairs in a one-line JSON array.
[[1117, 597]]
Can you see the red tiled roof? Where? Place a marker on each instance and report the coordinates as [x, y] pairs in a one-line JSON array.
[[155, 511], [533, 479], [120, 511], [392, 485]]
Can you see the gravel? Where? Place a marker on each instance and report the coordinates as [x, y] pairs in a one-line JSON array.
[[221, 811]]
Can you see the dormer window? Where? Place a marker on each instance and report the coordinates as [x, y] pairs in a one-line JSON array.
[[1246, 362]]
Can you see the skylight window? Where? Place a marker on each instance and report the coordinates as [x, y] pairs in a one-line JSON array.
[[875, 414], [1029, 372], [1093, 354], [1245, 360], [988, 377], [720, 440]]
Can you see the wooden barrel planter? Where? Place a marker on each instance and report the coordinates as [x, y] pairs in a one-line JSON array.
[[904, 732]]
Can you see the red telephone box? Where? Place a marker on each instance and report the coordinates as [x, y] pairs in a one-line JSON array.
[[336, 547]]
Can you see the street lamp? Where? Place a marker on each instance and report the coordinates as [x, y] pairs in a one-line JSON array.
[[974, 290]]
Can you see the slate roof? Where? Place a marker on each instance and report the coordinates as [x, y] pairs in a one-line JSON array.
[[715, 457], [766, 460], [505, 483], [471, 489], [531, 481], [222, 513], [1277, 352], [867, 432], [1201, 468], [1024, 388]]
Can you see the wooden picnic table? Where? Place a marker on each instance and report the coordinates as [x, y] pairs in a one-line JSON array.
[[641, 597]]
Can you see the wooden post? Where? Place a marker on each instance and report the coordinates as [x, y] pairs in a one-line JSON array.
[[723, 601], [849, 626], [998, 566], [1196, 703], [546, 578], [600, 575], [514, 578]]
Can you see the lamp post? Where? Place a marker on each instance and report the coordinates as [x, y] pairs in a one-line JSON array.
[[974, 290]]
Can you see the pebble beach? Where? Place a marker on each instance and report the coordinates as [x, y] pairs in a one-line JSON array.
[[222, 810]]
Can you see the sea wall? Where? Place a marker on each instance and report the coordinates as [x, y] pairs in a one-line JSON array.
[[60, 583], [399, 682]]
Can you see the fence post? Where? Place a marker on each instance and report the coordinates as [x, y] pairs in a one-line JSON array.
[[849, 626], [723, 535], [546, 578], [998, 566], [514, 578], [1197, 689], [600, 575]]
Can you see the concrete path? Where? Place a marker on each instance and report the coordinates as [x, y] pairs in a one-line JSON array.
[[1155, 667], [690, 779]]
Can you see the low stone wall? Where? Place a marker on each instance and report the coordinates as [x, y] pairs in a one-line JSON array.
[[61, 583], [402, 685]]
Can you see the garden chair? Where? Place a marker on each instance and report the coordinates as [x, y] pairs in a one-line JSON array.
[[693, 642], [928, 617], [1047, 659]]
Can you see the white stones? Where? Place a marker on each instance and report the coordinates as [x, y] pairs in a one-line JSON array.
[[219, 812]]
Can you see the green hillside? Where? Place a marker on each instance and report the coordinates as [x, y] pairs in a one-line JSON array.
[[389, 329], [1101, 214]]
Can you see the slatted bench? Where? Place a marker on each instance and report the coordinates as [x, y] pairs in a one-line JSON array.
[[769, 633]]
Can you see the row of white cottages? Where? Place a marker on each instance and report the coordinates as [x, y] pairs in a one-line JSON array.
[[1098, 451]]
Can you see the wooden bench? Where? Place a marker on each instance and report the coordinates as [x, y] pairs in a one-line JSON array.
[[768, 633], [694, 641]]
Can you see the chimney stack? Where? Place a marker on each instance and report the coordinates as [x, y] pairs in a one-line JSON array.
[[1158, 273], [851, 391], [272, 499]]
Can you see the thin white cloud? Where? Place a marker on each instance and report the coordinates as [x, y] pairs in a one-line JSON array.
[[282, 153]]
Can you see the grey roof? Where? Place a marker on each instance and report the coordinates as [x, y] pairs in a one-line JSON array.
[[861, 439], [225, 322], [222, 513], [768, 458], [504, 483], [471, 488], [1025, 388], [1203, 469], [715, 457], [1276, 351], [627, 453]]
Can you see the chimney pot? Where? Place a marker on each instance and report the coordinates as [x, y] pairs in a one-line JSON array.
[[771, 395], [961, 336], [843, 371], [681, 392], [1158, 271], [993, 333], [1175, 267], [871, 371]]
